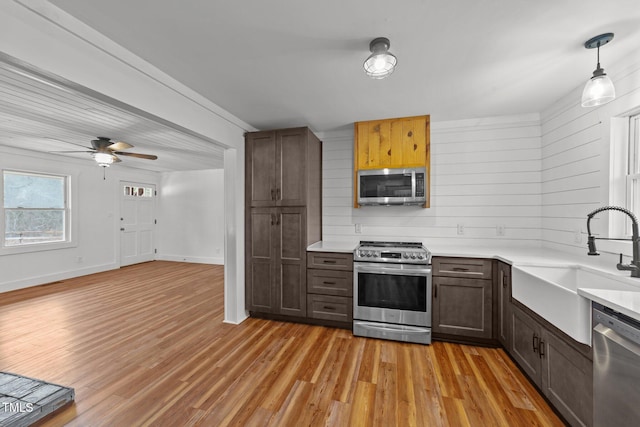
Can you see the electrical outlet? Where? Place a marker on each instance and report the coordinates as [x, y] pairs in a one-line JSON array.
[[358, 228], [577, 236], [460, 229], [500, 230]]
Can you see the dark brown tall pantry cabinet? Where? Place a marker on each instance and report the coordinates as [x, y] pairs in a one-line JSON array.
[[283, 199]]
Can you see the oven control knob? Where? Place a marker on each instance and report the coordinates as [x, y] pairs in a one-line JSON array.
[[405, 255], [375, 255], [420, 256], [413, 256], [369, 254]]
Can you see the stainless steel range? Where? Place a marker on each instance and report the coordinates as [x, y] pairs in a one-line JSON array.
[[392, 291]]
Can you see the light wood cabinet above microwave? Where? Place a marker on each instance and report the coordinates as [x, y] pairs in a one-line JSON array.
[[391, 143]]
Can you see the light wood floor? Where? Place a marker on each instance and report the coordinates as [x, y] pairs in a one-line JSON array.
[[145, 345]]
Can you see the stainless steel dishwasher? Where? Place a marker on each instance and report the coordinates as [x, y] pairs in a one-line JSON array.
[[616, 368]]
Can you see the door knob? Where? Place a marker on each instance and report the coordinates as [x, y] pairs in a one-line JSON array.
[[122, 229]]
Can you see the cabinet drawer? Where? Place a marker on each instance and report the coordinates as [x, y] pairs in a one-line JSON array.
[[330, 308], [476, 268], [330, 260], [330, 282]]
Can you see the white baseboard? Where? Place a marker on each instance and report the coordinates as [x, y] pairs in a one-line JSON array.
[[54, 277], [237, 322], [196, 260]]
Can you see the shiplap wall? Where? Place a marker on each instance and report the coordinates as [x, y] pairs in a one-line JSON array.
[[578, 151], [485, 173]]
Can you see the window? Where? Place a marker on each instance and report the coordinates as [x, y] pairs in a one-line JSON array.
[[35, 209], [135, 191], [633, 167]]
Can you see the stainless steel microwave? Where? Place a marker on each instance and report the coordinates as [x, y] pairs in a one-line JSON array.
[[392, 186]]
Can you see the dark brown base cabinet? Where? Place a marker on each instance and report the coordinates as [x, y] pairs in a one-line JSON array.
[[559, 366], [277, 266], [503, 302], [330, 287], [470, 293], [462, 298]]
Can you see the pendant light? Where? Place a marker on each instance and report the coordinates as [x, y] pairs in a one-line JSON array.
[[599, 89], [381, 62]]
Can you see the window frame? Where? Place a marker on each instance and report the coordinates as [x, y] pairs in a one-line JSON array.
[[70, 209], [632, 175]]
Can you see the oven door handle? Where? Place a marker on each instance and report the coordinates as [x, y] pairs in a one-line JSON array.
[[391, 270]]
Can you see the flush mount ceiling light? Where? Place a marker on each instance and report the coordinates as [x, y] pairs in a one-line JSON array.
[[380, 63], [599, 89]]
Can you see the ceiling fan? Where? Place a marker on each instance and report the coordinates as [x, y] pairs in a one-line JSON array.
[[104, 151]]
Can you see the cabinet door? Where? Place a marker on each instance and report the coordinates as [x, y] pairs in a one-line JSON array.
[[409, 136], [291, 164], [567, 380], [291, 264], [260, 162], [392, 143], [525, 343], [261, 259], [373, 144], [462, 307], [504, 304]]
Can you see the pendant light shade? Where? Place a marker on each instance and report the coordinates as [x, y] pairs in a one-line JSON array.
[[599, 89], [103, 159], [381, 62]]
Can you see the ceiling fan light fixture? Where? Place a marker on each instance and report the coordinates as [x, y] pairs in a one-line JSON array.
[[103, 159], [381, 63], [599, 89]]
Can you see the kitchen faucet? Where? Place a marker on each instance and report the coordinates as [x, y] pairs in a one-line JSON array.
[[634, 267]]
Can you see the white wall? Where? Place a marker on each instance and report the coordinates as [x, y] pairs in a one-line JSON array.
[[485, 173], [579, 147], [191, 216], [98, 205], [38, 33]]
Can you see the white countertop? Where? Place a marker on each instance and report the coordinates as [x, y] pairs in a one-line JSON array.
[[323, 246], [624, 301]]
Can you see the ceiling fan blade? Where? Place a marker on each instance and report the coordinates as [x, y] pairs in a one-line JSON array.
[[140, 156], [120, 145], [116, 159]]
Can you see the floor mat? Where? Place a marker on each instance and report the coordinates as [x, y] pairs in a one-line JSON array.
[[23, 400]]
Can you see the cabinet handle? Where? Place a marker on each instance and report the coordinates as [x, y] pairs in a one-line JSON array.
[[536, 343], [326, 307], [277, 219], [272, 219], [273, 194], [541, 349], [435, 291], [329, 261], [460, 269], [328, 283]]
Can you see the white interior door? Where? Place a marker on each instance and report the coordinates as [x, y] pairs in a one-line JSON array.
[[137, 222]]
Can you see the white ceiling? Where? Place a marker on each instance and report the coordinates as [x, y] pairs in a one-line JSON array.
[[283, 63], [42, 113]]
